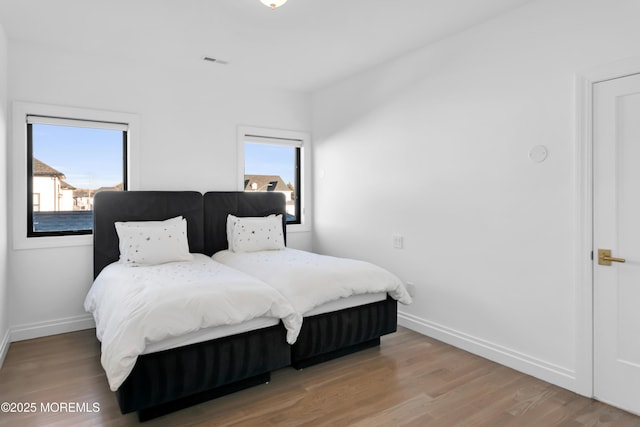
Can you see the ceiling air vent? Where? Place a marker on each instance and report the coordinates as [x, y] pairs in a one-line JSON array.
[[217, 61]]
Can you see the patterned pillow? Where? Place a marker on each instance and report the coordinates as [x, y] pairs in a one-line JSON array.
[[252, 234], [153, 242]]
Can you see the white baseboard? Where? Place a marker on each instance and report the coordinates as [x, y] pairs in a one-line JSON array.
[[51, 327], [4, 346], [546, 371]]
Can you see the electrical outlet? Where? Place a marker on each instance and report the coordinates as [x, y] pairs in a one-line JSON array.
[[411, 288], [397, 241]]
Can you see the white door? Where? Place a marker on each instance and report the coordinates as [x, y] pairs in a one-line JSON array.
[[616, 210]]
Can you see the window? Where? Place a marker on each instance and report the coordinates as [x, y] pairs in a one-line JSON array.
[[68, 161], [273, 160]]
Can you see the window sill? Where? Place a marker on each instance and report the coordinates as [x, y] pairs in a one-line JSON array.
[[298, 228], [21, 243]]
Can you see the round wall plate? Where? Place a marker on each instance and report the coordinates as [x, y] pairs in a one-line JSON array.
[[538, 153]]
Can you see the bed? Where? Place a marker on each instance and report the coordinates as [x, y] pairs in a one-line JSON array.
[[208, 363], [200, 366], [347, 304]]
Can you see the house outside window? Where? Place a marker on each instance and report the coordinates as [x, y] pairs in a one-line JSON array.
[[36, 202]]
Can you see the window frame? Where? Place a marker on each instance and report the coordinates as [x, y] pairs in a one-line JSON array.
[[290, 138], [33, 119], [19, 174]]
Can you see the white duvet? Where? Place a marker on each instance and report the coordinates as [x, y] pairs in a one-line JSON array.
[[308, 280], [133, 306]]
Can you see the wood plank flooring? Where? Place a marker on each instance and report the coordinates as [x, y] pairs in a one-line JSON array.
[[411, 380]]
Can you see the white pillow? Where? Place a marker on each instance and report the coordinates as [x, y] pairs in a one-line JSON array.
[[251, 234], [231, 222], [153, 242]]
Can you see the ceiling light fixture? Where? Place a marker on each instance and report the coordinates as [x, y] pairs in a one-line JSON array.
[[273, 3]]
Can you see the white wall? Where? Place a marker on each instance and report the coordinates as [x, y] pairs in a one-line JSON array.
[[187, 141], [434, 146], [4, 318]]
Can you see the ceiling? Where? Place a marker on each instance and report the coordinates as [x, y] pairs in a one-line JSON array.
[[303, 45]]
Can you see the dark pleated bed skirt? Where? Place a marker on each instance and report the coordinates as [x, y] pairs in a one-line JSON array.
[[165, 381], [330, 335], [169, 380]]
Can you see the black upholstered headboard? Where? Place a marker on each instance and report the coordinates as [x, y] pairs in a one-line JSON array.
[[219, 204], [206, 216], [112, 206]]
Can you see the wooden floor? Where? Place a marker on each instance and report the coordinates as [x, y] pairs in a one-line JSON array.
[[411, 380]]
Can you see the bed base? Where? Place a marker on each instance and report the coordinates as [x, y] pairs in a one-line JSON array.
[[185, 402], [330, 335], [169, 380], [335, 354], [219, 367]]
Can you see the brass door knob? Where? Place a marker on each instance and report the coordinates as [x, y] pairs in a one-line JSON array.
[[605, 258]]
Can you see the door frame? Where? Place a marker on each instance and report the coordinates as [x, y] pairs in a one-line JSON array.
[[583, 149]]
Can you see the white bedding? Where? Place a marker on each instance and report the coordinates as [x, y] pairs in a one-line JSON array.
[[309, 280], [134, 306]]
